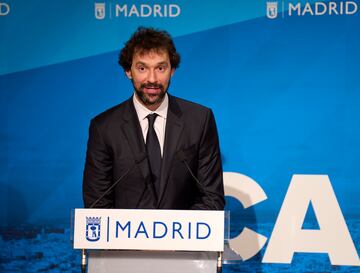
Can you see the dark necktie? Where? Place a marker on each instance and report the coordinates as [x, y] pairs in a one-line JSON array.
[[154, 152]]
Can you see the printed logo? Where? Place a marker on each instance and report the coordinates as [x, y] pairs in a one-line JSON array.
[[99, 11], [124, 10], [320, 8], [93, 228], [4, 9], [271, 9]]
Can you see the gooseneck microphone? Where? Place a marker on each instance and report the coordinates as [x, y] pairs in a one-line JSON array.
[[181, 157], [138, 160]]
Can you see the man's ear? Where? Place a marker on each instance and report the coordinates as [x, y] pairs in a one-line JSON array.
[[128, 74], [172, 71]]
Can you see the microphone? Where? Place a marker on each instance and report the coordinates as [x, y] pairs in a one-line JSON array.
[[181, 157], [138, 160]]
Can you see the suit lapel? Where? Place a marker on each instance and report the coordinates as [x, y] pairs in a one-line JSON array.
[[133, 133], [174, 127]]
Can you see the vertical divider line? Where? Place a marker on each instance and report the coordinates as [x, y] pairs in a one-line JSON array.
[[108, 228]]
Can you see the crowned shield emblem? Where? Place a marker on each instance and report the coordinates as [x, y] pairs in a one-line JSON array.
[[272, 9], [93, 228], [99, 11]]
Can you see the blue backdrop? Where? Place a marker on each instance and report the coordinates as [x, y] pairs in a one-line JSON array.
[[284, 91]]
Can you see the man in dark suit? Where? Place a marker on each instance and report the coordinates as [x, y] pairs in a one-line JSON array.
[[153, 150]]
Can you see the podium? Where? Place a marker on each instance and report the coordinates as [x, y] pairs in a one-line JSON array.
[[129, 241], [152, 261]]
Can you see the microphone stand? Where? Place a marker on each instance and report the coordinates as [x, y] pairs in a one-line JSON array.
[[219, 262], [83, 261]]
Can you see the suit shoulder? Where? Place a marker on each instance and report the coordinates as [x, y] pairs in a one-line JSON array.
[[191, 107], [111, 114]]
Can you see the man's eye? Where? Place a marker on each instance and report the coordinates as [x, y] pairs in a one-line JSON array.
[[141, 68], [161, 68]]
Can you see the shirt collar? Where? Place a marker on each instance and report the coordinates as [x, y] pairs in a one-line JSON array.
[[143, 112]]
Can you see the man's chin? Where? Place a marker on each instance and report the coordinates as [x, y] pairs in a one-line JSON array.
[[151, 99]]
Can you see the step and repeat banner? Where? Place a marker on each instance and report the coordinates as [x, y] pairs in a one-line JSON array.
[[282, 78]]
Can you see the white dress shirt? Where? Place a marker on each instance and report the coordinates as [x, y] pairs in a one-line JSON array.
[[160, 121]]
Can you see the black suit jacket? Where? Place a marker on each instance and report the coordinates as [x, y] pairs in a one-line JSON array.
[[116, 147]]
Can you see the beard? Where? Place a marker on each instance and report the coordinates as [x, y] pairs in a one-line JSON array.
[[151, 99]]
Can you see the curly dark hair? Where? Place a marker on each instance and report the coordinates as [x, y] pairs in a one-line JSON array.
[[145, 40]]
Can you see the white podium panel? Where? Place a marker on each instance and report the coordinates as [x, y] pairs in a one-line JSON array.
[[124, 229], [151, 262]]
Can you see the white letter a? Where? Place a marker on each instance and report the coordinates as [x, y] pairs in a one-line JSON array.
[[332, 238]]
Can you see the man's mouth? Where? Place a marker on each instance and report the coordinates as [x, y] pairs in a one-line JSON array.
[[152, 89]]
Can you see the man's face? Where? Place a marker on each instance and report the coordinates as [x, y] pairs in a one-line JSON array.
[[150, 74]]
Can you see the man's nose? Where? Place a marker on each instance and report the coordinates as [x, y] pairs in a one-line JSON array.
[[152, 77]]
